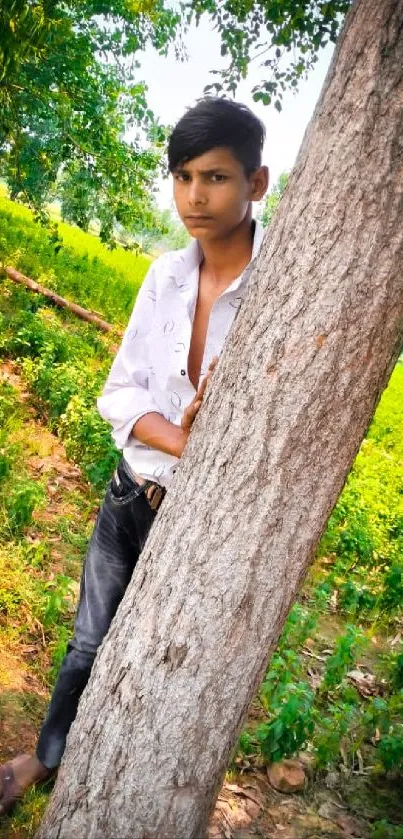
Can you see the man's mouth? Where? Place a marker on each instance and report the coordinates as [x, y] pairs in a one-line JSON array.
[[194, 217]]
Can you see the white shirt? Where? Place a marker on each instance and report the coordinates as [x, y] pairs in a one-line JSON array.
[[150, 372]]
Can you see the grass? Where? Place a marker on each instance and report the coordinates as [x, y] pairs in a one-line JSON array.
[[42, 544], [77, 264]]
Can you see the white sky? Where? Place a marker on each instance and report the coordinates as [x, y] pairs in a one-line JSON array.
[[173, 86]]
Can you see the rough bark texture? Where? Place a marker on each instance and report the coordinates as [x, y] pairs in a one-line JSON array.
[[307, 359], [84, 314]]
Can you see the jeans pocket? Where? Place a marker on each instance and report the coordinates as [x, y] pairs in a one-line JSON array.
[[122, 489]]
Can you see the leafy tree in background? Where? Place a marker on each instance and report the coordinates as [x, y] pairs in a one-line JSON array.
[[163, 232], [69, 90], [68, 95], [285, 36], [273, 199]]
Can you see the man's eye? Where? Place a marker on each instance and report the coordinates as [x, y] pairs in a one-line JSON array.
[[182, 176], [217, 178]]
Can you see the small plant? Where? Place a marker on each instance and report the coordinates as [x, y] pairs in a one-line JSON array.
[[332, 726], [342, 659], [57, 600], [292, 724], [385, 830], [20, 501], [390, 749], [88, 440]]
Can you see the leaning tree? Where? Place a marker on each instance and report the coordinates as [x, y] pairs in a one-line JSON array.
[[297, 384]]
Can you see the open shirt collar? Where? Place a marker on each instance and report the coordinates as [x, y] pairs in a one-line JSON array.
[[186, 261]]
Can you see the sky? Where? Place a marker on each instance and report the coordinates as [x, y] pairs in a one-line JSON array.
[[173, 86]]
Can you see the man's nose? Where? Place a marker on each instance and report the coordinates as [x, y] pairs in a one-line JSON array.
[[196, 193]]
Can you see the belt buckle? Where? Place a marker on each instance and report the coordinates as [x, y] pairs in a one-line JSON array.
[[156, 497]]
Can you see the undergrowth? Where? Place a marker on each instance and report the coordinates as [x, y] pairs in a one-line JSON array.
[[64, 365], [35, 602], [320, 702]]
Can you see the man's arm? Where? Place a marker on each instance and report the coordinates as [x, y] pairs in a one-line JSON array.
[[154, 430], [126, 397]]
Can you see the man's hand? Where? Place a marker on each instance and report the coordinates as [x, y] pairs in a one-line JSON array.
[[154, 430], [192, 410]]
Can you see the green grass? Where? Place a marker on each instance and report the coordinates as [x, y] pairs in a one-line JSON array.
[[64, 360], [365, 531], [358, 580], [78, 266], [65, 363]]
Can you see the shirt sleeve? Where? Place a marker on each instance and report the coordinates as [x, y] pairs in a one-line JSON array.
[[126, 396]]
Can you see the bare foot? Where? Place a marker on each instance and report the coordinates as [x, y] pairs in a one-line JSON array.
[[28, 770], [17, 776]]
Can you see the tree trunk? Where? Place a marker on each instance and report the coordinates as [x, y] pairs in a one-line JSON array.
[[84, 314], [292, 397]]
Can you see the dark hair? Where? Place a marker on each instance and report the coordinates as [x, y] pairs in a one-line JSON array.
[[217, 122]]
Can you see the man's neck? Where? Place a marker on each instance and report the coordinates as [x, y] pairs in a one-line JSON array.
[[225, 259]]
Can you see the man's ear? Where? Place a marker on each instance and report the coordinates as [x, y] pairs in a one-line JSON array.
[[259, 181]]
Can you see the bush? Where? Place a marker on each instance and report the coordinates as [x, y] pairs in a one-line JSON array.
[[20, 500], [88, 440]]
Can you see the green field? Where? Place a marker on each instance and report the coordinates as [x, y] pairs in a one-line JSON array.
[[78, 265]]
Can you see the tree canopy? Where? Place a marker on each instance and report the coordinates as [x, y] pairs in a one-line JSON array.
[[284, 36], [68, 95], [70, 90]]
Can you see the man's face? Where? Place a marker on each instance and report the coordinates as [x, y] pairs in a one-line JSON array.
[[212, 193]]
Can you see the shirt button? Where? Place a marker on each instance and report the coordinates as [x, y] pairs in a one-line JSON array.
[[183, 372]]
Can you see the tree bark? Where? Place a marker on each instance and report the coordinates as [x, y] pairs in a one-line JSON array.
[[82, 313], [294, 391]]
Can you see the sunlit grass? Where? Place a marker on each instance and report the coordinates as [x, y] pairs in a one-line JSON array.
[[76, 265]]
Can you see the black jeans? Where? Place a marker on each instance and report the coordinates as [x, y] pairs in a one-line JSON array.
[[119, 535]]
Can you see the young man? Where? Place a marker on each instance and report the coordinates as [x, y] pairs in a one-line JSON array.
[[181, 318]]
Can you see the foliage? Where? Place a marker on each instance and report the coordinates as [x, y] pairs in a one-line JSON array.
[[64, 361], [68, 93], [31, 597], [21, 499], [80, 425], [342, 659], [359, 570], [385, 830], [365, 531], [291, 727], [165, 233], [287, 35], [273, 199], [285, 695], [65, 376]]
